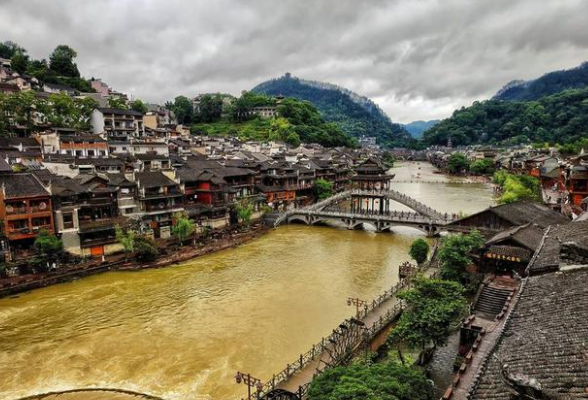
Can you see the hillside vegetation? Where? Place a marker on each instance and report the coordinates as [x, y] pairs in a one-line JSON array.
[[548, 84], [353, 114], [559, 118], [298, 121], [60, 69]]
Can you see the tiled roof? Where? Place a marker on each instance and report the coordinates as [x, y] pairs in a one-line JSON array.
[[21, 185], [153, 179], [524, 212], [528, 236], [545, 339], [549, 256]]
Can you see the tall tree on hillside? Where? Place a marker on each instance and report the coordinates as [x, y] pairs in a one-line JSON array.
[[210, 108], [19, 61], [183, 110], [61, 61], [9, 48]]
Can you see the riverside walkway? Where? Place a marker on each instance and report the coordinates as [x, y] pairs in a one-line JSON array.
[[351, 337]]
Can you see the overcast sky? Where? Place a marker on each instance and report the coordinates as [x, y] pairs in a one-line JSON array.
[[416, 59]]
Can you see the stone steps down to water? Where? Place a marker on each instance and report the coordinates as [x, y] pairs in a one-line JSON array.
[[491, 300]]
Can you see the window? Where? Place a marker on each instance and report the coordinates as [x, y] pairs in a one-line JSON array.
[[91, 153], [68, 221]]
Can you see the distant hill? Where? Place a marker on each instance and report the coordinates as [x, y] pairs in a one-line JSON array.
[[548, 84], [354, 114], [559, 118], [416, 128]]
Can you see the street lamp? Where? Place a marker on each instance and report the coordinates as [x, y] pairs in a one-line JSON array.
[[250, 381], [357, 303]]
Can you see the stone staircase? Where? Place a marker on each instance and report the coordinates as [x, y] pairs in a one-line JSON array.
[[492, 299]]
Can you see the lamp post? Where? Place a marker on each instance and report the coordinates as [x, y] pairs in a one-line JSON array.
[[250, 381], [357, 303]]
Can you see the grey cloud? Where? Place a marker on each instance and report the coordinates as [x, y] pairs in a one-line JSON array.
[[419, 58]]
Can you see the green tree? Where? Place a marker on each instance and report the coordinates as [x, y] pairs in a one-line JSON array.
[[388, 159], [139, 106], [210, 108], [19, 108], [455, 254], [457, 163], [118, 103], [244, 211], [482, 167], [183, 110], [61, 61], [9, 48], [419, 250], [19, 62], [384, 381], [46, 243], [145, 249], [126, 239], [323, 189], [183, 227], [432, 306], [516, 187]]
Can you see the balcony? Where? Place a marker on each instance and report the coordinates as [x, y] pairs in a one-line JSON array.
[[162, 207], [161, 195], [27, 210], [101, 224]]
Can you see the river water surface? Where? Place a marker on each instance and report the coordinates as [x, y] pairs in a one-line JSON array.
[[185, 330]]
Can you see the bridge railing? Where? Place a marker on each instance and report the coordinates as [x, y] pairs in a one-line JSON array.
[[420, 208]]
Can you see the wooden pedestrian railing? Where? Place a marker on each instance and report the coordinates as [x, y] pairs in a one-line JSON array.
[[331, 342]]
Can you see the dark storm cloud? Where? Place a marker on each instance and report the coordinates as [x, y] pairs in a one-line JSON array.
[[417, 59]]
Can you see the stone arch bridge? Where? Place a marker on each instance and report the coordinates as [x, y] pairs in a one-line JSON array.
[[421, 216]]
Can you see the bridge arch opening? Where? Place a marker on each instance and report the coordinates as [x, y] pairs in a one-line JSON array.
[[297, 220]]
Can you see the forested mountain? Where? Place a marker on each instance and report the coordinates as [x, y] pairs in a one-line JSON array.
[[416, 128], [298, 121], [354, 114], [559, 118], [548, 84]]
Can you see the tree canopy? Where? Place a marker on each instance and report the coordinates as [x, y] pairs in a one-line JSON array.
[[419, 250], [384, 381], [46, 243], [61, 68], [482, 167], [323, 189], [457, 163], [558, 118], [59, 109], [454, 254], [516, 187], [139, 106], [296, 122], [432, 306], [183, 227], [61, 61]]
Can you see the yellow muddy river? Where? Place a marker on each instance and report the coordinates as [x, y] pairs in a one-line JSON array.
[[182, 332]]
